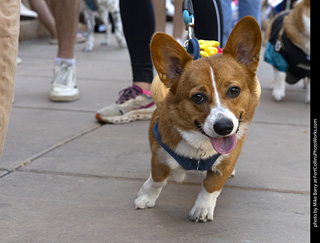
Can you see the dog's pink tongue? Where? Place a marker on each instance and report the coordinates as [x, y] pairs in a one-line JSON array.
[[224, 145]]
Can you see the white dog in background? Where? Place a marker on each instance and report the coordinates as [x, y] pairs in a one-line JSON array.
[[103, 7]]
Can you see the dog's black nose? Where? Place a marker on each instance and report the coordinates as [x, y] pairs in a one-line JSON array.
[[223, 127]]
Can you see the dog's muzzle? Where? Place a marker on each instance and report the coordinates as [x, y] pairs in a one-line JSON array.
[[222, 127]]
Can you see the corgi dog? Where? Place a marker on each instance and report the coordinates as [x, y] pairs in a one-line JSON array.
[[288, 48], [201, 122]]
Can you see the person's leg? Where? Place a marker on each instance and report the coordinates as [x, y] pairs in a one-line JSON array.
[[64, 87], [9, 35], [135, 102], [66, 14], [159, 7], [227, 20], [45, 16], [178, 23], [138, 27], [208, 20], [250, 7]]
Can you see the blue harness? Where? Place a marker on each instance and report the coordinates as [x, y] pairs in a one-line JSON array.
[[184, 162]]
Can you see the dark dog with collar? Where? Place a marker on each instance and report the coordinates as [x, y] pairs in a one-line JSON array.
[[288, 49]]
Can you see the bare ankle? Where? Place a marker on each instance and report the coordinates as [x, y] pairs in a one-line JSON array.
[[143, 85]]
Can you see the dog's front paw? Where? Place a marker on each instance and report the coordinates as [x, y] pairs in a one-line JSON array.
[[148, 194], [87, 48], [278, 94], [121, 40], [279, 88], [144, 201], [201, 214], [203, 208], [105, 42]]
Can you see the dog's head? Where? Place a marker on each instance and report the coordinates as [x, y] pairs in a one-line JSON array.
[[210, 97]]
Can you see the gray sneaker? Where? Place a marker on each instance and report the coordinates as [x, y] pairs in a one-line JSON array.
[[132, 105]]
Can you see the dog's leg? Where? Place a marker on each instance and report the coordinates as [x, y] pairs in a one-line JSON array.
[[114, 10], [279, 87], [104, 16], [118, 28], [305, 82], [203, 209], [151, 189], [307, 100], [149, 193], [89, 17]]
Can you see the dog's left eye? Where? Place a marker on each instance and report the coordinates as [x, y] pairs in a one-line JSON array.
[[199, 98], [233, 92]]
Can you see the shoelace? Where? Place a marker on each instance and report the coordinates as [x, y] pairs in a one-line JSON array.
[[62, 76], [130, 92]]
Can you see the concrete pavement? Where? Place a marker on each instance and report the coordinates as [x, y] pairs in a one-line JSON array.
[[66, 178]]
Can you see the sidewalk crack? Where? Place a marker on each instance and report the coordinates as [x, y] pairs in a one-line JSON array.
[[59, 144]]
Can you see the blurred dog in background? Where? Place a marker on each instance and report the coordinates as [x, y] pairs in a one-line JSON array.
[[103, 7], [288, 48]]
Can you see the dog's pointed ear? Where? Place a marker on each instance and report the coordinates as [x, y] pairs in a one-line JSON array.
[[169, 58], [244, 43]]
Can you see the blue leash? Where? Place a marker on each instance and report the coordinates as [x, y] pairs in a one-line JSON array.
[[192, 45], [193, 48]]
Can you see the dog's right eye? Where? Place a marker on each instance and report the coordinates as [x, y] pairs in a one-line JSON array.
[[233, 92], [199, 98]]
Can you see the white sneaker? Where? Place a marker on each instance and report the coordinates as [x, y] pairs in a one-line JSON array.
[[26, 14], [64, 83]]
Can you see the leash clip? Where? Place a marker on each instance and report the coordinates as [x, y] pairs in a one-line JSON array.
[[189, 28], [188, 18], [198, 164], [203, 153]]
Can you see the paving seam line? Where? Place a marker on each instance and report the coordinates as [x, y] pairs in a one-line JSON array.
[[51, 109], [51, 148], [119, 178], [90, 111]]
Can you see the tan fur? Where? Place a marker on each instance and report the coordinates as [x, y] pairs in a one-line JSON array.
[[269, 28], [158, 90], [184, 77], [294, 27]]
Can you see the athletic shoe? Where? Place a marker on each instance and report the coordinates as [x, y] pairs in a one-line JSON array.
[[133, 104], [64, 83], [26, 13]]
